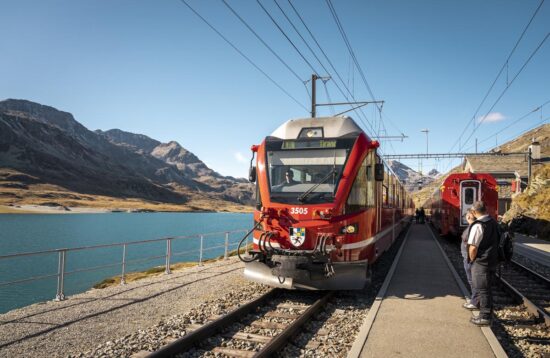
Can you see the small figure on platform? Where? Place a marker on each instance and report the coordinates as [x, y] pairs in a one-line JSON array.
[[473, 303], [417, 216], [483, 241], [422, 215]]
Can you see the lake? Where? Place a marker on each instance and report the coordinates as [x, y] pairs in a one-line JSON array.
[[31, 233]]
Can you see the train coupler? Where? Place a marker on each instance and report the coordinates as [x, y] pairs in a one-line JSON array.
[[329, 269], [290, 266]]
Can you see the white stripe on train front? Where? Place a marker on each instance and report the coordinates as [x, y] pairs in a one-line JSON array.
[[354, 245]]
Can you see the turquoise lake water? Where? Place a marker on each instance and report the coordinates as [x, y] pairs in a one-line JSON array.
[[31, 233]]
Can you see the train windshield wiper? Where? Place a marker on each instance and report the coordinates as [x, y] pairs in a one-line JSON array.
[[303, 197]]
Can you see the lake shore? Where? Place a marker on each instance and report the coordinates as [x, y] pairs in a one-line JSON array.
[[47, 209]]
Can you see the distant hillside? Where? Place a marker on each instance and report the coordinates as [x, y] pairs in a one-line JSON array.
[[412, 179], [41, 147], [520, 144], [530, 211]]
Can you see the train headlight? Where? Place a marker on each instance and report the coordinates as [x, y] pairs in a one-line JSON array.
[[350, 229]]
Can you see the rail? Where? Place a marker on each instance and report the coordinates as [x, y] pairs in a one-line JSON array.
[[168, 254]]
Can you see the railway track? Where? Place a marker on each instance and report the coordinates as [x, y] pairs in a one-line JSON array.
[[520, 298], [529, 288], [277, 318]]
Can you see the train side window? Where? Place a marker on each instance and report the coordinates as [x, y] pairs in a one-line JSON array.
[[357, 199], [259, 203], [371, 181]]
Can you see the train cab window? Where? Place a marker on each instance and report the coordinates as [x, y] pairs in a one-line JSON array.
[[357, 199], [300, 176], [469, 196]]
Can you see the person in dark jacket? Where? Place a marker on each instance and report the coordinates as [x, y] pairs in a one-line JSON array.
[[473, 303], [483, 254]]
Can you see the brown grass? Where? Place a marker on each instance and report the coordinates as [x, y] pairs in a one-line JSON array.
[[47, 194], [536, 199], [158, 270]]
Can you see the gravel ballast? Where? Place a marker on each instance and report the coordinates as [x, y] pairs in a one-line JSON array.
[[78, 324]]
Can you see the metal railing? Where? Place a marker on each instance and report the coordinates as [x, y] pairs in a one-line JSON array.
[[168, 255]]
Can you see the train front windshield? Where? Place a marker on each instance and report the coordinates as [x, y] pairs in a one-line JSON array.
[[305, 175]]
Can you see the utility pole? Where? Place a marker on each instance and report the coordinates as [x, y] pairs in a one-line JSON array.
[[313, 102], [426, 130], [476, 145], [529, 165]]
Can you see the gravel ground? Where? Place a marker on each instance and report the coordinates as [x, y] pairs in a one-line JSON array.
[[59, 329], [331, 333], [544, 270], [514, 327]]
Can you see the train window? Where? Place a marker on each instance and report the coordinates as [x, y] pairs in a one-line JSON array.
[[371, 182], [357, 198], [259, 203], [469, 196], [293, 173]]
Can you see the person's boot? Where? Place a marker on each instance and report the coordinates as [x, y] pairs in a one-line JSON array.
[[470, 306], [480, 321]]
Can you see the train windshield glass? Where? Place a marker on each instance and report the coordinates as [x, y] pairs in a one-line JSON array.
[[305, 175]]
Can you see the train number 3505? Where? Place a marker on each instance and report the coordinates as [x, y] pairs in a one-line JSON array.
[[302, 211]]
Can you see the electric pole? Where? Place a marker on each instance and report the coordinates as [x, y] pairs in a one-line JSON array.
[[313, 104]]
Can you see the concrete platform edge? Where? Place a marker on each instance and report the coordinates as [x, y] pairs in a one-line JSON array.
[[362, 335], [498, 351]]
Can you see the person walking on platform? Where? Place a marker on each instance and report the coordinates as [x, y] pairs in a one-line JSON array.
[[473, 303], [483, 241]]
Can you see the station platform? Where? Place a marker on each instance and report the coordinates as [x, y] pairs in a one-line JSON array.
[[420, 314], [534, 249]]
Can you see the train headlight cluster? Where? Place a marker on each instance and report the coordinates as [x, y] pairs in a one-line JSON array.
[[350, 229]]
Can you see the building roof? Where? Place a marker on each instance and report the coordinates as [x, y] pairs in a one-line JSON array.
[[333, 127], [498, 164]]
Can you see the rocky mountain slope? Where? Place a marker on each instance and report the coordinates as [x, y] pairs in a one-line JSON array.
[[412, 179], [40, 145]]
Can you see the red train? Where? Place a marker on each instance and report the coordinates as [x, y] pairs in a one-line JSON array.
[[327, 207], [450, 202]]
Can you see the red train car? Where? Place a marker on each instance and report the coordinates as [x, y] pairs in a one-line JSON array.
[[327, 206], [450, 202]]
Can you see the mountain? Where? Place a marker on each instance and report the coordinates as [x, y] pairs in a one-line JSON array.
[[434, 173], [40, 145], [411, 179]]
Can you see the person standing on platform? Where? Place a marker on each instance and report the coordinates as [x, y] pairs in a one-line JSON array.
[[473, 304], [483, 241]]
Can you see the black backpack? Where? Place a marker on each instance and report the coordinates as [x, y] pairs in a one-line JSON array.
[[505, 245]]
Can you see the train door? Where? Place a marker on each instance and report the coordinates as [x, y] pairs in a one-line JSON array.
[[469, 194]]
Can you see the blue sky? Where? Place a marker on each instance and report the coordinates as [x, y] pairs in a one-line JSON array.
[[153, 67]]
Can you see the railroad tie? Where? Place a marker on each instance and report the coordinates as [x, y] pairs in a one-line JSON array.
[[269, 325], [237, 353], [256, 338]]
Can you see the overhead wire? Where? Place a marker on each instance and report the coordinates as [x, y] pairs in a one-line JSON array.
[[261, 40], [257, 67], [507, 139], [288, 38], [507, 87], [537, 109], [353, 56], [359, 111], [505, 65]]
